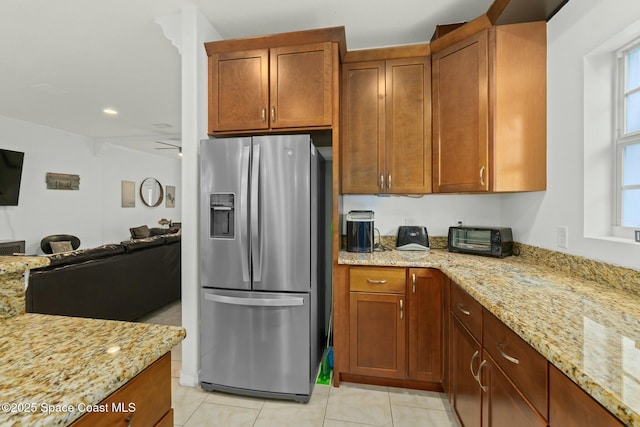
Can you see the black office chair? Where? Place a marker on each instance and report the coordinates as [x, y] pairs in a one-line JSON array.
[[45, 244]]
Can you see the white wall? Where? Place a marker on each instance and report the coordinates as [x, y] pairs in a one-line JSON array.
[[578, 29], [92, 213]]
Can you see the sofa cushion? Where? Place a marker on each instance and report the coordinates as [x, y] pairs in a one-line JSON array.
[[140, 232], [61, 246], [175, 237], [137, 244], [81, 255], [156, 231]]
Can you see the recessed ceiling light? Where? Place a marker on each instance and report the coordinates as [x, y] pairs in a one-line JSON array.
[[110, 112]]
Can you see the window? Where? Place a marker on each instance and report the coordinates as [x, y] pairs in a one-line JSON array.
[[627, 138]]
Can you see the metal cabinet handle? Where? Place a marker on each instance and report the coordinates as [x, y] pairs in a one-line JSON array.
[[482, 175], [389, 182], [511, 359], [382, 181], [474, 357], [273, 114], [401, 308], [264, 114], [463, 310], [482, 365], [377, 282], [413, 282], [129, 420]]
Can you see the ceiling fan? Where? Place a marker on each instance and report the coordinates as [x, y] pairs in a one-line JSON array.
[[170, 147]]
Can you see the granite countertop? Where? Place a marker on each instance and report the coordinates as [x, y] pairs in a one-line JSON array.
[[50, 361], [18, 264], [587, 329]]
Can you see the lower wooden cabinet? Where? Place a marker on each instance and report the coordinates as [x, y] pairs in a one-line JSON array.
[[395, 323], [143, 401], [465, 360], [570, 406], [424, 298], [502, 402]]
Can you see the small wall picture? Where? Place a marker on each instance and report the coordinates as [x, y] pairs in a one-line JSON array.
[[62, 181], [128, 194], [171, 196]]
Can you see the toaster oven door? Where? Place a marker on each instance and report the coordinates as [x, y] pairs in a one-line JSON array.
[[476, 240]]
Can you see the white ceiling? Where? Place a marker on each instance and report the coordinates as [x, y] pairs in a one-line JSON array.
[[63, 61]]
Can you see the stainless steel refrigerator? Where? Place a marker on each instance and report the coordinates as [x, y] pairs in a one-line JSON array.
[[262, 295]]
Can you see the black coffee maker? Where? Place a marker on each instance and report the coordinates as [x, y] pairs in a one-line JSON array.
[[360, 231]]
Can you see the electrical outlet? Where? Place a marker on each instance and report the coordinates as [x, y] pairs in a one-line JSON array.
[[563, 237]]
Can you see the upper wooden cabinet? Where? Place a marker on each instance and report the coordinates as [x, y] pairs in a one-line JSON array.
[[275, 82], [284, 87], [489, 111], [386, 120]]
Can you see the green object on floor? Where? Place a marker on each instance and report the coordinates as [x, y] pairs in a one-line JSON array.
[[326, 367]]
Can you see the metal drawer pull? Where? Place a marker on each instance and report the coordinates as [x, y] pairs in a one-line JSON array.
[[475, 355], [377, 282], [389, 181], [482, 175], [264, 114], [483, 387], [129, 420], [273, 114], [413, 281], [463, 310], [382, 181], [506, 356], [401, 308]]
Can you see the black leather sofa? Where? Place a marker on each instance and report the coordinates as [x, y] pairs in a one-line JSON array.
[[116, 281]]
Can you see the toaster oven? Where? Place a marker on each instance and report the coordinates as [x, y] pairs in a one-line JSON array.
[[489, 241]]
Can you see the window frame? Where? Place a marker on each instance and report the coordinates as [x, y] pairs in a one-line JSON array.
[[622, 139]]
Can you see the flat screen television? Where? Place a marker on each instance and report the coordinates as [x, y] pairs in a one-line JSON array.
[[10, 176]]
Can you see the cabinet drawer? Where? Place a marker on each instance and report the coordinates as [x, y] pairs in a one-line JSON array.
[[467, 310], [384, 280], [149, 391], [526, 368]]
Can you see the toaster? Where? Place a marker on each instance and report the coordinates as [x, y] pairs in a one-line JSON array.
[[412, 238]]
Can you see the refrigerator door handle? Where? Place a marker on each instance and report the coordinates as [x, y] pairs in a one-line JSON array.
[[255, 215], [256, 302], [244, 213]]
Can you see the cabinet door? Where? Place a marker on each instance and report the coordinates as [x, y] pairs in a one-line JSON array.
[[460, 116], [502, 403], [239, 90], [570, 406], [465, 359], [377, 335], [301, 86], [363, 117], [424, 298], [408, 126]]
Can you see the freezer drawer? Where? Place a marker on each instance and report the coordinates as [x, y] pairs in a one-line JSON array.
[[256, 343]]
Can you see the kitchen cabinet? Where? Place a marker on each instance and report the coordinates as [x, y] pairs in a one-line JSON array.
[[377, 312], [489, 111], [143, 401], [386, 116], [495, 376], [424, 300], [395, 324], [271, 88], [570, 406]]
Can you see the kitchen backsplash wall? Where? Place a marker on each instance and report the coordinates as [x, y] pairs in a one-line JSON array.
[[436, 212]]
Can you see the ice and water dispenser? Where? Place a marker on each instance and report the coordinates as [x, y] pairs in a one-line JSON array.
[[222, 215]]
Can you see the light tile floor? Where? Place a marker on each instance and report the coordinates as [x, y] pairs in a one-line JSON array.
[[350, 405]]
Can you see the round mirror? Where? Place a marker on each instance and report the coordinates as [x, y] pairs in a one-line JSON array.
[[151, 192]]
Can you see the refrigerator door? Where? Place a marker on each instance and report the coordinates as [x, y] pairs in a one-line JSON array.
[[255, 343], [224, 216], [281, 225]]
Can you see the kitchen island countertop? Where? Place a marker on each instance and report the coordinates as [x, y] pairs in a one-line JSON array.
[[588, 330]]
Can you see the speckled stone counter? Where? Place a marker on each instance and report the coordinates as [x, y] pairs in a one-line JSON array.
[[55, 360], [589, 330], [12, 284]]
